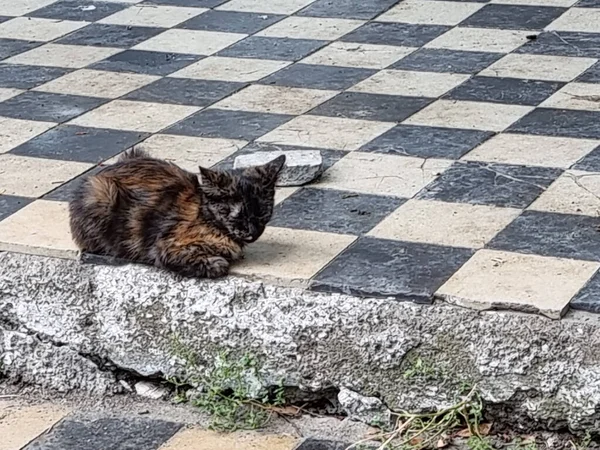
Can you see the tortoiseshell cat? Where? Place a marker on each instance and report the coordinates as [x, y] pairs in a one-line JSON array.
[[151, 211]]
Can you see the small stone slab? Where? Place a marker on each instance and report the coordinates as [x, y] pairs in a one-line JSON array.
[[301, 166]]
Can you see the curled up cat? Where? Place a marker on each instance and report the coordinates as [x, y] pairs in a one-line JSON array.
[[151, 211]]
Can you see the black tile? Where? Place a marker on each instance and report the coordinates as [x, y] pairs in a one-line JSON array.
[[427, 142], [46, 107], [384, 108], [146, 63], [513, 17], [590, 162], [107, 433], [320, 444], [26, 77], [588, 299], [490, 184], [588, 4], [74, 143], [85, 10], [5, 18], [283, 49], [102, 35], [333, 211], [183, 91], [559, 122], [385, 268], [551, 234], [447, 61], [10, 204], [192, 3], [317, 76], [231, 21], [12, 47], [228, 124], [562, 43], [404, 34], [65, 192], [505, 90], [347, 9], [592, 75]]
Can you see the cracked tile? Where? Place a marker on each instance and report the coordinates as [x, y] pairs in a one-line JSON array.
[[480, 40], [574, 192], [430, 12], [584, 20], [69, 56], [559, 122], [585, 96], [311, 28], [194, 42], [366, 56], [231, 69]]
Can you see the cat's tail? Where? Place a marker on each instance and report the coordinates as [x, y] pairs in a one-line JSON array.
[[134, 153]]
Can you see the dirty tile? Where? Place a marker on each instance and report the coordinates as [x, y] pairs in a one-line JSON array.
[[430, 12], [513, 17], [588, 298], [480, 40], [326, 132], [584, 96], [27, 77], [402, 270], [103, 35], [504, 280], [551, 234], [427, 142], [21, 424], [410, 83], [388, 33], [592, 75], [230, 69], [12, 47], [446, 61], [490, 184], [183, 91], [219, 123], [366, 56], [14, 132], [311, 28], [469, 115], [333, 211], [10, 204], [134, 116], [96, 83], [33, 29], [505, 90], [378, 174], [530, 150], [590, 163], [231, 21], [280, 49], [31, 177], [291, 255], [271, 7], [358, 105], [56, 55], [82, 10], [115, 433], [443, 223], [73, 143], [156, 16], [564, 43], [198, 439], [560, 122], [6, 93], [318, 76], [146, 62], [190, 41], [346, 9], [47, 107], [539, 67], [65, 192], [564, 3], [22, 7], [275, 99], [192, 3], [575, 192], [584, 20]]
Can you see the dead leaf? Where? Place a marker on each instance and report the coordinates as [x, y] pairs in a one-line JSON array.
[[464, 433], [441, 443], [415, 441], [286, 410], [485, 428]]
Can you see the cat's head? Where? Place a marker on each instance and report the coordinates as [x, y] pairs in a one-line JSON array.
[[242, 200]]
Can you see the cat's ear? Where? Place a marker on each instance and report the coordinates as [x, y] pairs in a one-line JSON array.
[[213, 182], [268, 172]]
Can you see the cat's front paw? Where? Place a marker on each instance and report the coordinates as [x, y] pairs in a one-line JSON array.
[[216, 267]]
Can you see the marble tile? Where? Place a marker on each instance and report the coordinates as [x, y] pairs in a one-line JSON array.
[[584, 96], [26, 77], [480, 40], [513, 17], [563, 3], [560, 122], [145, 62], [346, 9], [192, 3], [538, 67], [430, 12], [311, 28], [279, 49], [590, 163], [12, 47], [103, 35], [446, 61], [401, 34], [564, 43], [14, 132], [70, 56], [504, 280], [66, 191], [574, 192], [490, 184], [402, 270], [584, 20], [271, 7], [23, 7], [10, 204], [317, 76], [410, 83], [78, 10], [195, 42], [365, 56], [33, 29], [592, 75], [588, 299], [231, 21], [155, 16], [241, 70]]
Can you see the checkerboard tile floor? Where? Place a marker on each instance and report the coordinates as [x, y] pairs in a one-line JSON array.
[[461, 138]]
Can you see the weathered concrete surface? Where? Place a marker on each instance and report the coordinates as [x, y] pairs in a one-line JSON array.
[[412, 357]]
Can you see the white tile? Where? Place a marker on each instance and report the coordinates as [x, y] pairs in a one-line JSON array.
[[494, 279], [311, 28], [190, 41], [34, 29], [275, 99], [584, 20], [97, 83], [230, 69], [563, 3], [530, 150], [480, 39], [152, 16], [57, 55], [539, 67], [326, 132], [585, 96], [14, 132], [574, 192], [348, 54], [373, 173], [410, 83], [430, 12], [6, 93], [270, 7], [443, 223], [134, 116], [21, 7], [469, 115]]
